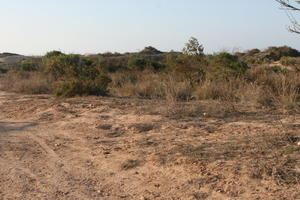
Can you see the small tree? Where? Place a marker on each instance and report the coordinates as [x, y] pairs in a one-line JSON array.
[[193, 48], [289, 6], [53, 54]]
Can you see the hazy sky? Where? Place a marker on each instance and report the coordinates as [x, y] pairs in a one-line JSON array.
[[33, 27]]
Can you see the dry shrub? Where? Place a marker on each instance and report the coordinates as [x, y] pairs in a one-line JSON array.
[[176, 89], [259, 87], [184, 110], [130, 164], [136, 85], [151, 86], [290, 61], [277, 157], [280, 90], [26, 82], [230, 90], [217, 90]]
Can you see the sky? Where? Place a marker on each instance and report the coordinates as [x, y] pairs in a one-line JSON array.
[[34, 27]]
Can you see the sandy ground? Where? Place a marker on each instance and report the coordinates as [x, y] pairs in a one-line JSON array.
[[109, 148]]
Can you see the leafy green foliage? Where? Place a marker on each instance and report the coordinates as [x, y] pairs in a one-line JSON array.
[[70, 66], [290, 61], [191, 68], [29, 66], [276, 53], [278, 69], [137, 63], [223, 65], [3, 69], [53, 54], [70, 88], [78, 75], [113, 64], [142, 64]]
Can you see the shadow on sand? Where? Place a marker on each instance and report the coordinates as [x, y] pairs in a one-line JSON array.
[[6, 127]]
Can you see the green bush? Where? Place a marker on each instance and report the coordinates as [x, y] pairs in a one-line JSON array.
[[157, 65], [137, 63], [4, 69], [141, 64], [53, 54], [224, 64], [191, 68], [77, 75], [113, 64], [58, 65], [276, 53], [290, 61], [29, 66], [253, 52], [250, 60], [71, 88], [278, 69], [68, 66]]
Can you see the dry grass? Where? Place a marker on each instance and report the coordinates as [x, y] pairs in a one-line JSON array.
[[232, 90], [265, 156], [209, 150], [151, 86], [280, 90], [260, 87], [130, 164], [142, 127], [26, 82]]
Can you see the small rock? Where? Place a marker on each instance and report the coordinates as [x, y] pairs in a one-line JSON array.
[[298, 143], [61, 165]]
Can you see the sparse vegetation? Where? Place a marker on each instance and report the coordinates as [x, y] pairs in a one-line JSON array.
[[130, 164], [149, 124], [291, 61], [268, 78], [231, 119], [27, 82]]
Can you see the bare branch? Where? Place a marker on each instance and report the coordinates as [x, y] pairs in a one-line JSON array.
[[289, 7]]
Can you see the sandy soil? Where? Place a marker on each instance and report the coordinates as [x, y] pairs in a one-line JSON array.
[[109, 148]]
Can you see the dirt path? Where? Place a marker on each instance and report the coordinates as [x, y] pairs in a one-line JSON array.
[[107, 148]]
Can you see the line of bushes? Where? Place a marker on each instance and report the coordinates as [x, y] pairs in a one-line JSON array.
[[190, 75]]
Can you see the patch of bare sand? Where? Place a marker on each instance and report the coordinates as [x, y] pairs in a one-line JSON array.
[[108, 148]]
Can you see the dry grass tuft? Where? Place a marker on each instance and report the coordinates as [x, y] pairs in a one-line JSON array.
[[130, 164], [142, 127], [150, 85], [268, 156], [26, 82], [182, 110]]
